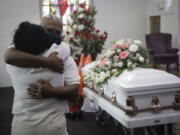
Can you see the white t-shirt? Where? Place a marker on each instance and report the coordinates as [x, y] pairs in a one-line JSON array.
[[30, 112]]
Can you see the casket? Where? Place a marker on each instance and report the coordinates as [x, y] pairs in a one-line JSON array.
[[144, 96], [143, 89]]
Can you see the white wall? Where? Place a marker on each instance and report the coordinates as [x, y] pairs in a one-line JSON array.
[[122, 18], [12, 12], [178, 35], [169, 19]]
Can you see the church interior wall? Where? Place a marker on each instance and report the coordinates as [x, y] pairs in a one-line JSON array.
[[120, 18]]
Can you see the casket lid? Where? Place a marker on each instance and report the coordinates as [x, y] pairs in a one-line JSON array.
[[143, 79]]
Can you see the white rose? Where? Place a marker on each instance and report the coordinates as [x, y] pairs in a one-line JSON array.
[[114, 70], [116, 58], [86, 77], [115, 64], [75, 27], [108, 62], [138, 55], [120, 64], [96, 80], [93, 77], [101, 79], [102, 73], [70, 21], [65, 28], [134, 65], [120, 42], [99, 33], [137, 42], [69, 36], [80, 27], [109, 53], [68, 28], [108, 73], [118, 50], [80, 9], [133, 48], [89, 17], [129, 63], [90, 84], [81, 16], [141, 59]]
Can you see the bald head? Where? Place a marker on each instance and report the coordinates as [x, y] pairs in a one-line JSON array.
[[51, 22]]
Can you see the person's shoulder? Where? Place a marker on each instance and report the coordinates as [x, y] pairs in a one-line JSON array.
[[65, 43], [69, 62], [11, 69]]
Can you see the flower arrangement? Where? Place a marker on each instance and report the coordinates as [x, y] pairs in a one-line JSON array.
[[122, 55], [80, 30]]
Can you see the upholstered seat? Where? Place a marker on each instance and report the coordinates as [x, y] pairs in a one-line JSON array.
[[160, 51]]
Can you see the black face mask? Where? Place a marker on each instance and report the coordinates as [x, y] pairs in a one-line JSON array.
[[55, 36]]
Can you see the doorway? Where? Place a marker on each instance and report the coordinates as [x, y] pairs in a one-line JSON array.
[[155, 24]]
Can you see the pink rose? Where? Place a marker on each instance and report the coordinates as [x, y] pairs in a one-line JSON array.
[[124, 45], [103, 62], [123, 54], [115, 46]]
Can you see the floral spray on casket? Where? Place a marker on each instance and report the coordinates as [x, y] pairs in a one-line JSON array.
[[121, 56]]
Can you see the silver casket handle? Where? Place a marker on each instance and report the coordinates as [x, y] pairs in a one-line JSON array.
[[101, 91], [155, 104], [113, 97], [176, 103]]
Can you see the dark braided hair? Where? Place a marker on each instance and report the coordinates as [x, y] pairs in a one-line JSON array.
[[32, 38]]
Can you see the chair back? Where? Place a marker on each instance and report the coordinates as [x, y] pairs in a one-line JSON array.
[[158, 42]]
